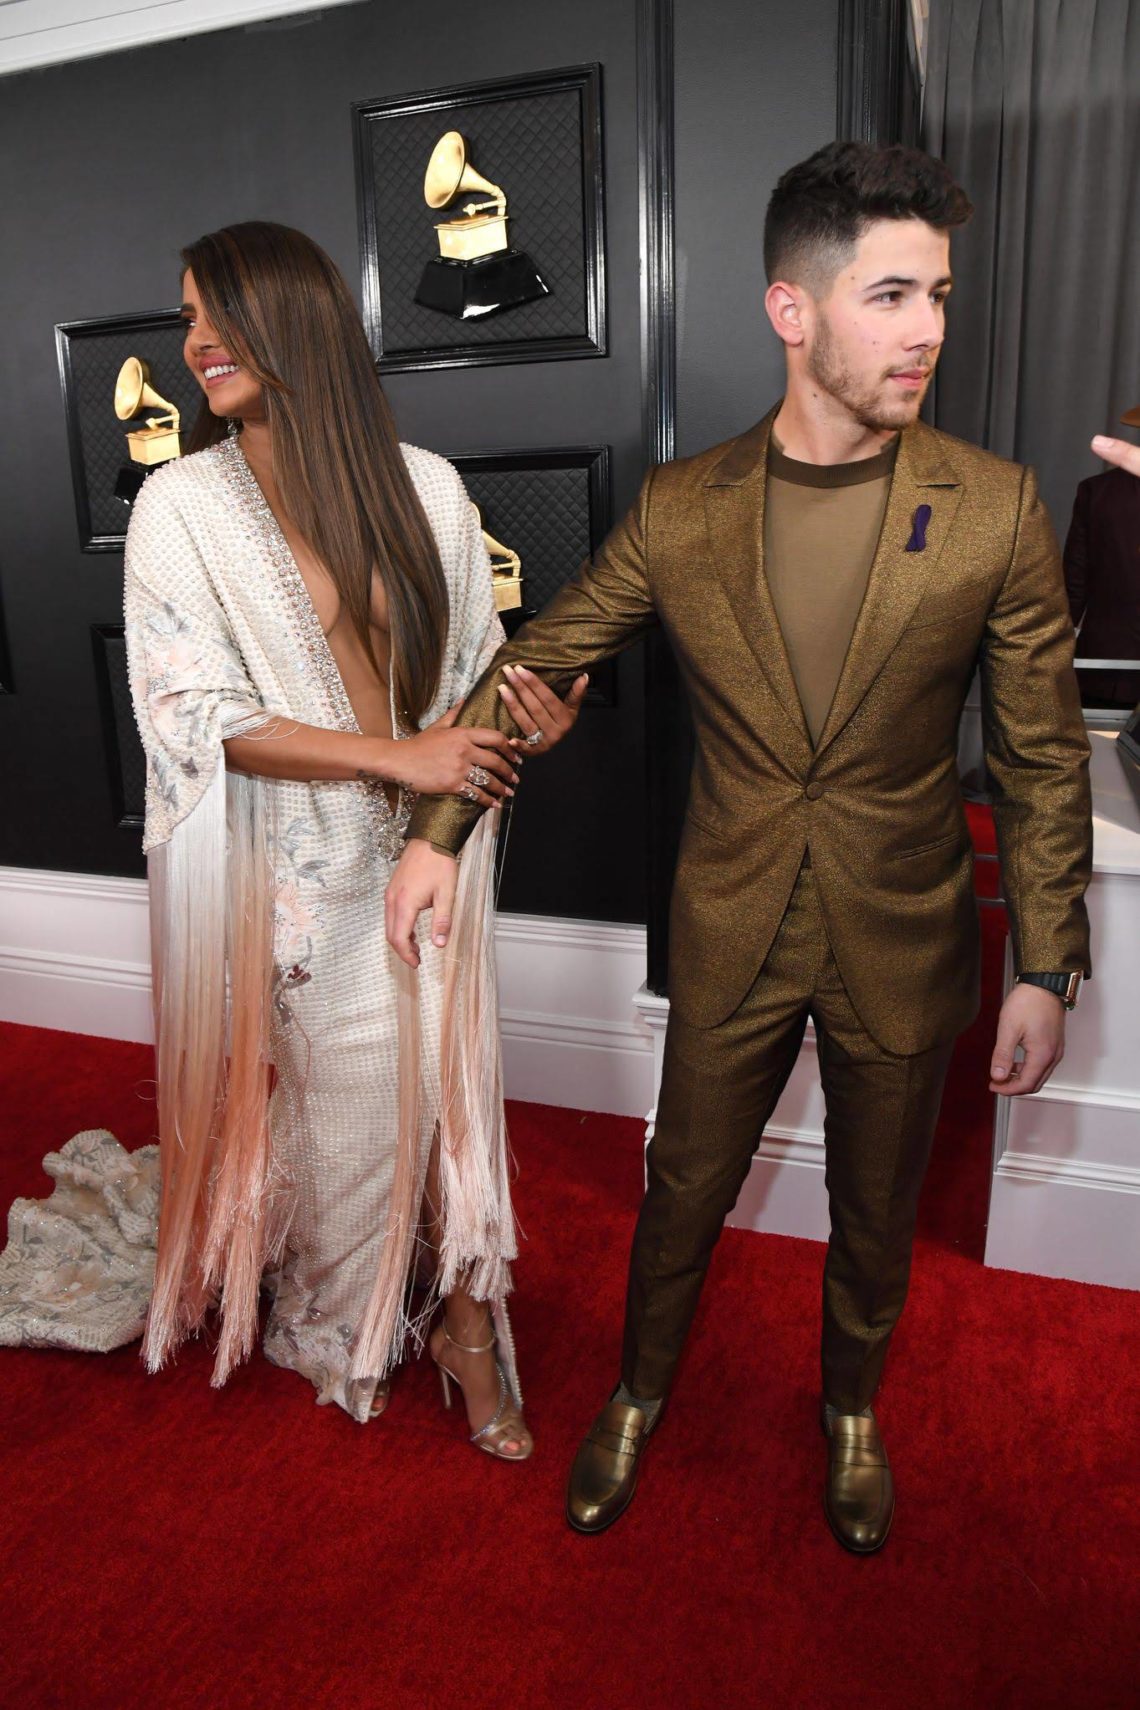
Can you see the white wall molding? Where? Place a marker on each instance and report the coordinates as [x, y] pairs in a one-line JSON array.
[[1055, 1092], [75, 955], [1069, 1172], [91, 887], [1059, 1215], [570, 1034], [1065, 1192], [45, 32]]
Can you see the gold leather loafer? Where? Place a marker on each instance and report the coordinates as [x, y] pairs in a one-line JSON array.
[[604, 1475], [859, 1498]]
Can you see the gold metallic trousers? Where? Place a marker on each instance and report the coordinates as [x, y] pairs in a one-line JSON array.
[[719, 1088]]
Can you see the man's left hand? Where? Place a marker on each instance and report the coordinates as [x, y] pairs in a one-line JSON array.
[[1034, 1019]]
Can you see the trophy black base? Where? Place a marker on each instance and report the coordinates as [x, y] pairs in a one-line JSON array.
[[468, 289], [514, 618], [128, 482]]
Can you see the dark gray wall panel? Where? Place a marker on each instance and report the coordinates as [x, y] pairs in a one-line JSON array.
[[95, 203], [755, 92], [96, 199]]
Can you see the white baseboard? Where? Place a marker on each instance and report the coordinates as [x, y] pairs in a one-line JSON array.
[[74, 955], [1065, 1200], [1055, 1218], [570, 1034]]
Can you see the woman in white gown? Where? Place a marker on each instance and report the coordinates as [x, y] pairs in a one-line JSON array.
[[305, 601]]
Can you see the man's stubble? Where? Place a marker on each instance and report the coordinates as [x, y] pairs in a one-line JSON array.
[[863, 399]]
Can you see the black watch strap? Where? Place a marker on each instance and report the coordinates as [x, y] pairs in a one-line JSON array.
[[1064, 986]]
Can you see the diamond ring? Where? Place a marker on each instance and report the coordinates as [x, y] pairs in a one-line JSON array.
[[469, 794], [480, 776], [534, 739]]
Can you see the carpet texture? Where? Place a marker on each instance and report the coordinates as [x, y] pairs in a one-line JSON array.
[[166, 1545]]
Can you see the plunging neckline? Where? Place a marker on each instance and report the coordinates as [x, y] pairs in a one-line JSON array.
[[315, 642]]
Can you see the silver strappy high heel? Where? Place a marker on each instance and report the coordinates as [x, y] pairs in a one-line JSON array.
[[507, 1424]]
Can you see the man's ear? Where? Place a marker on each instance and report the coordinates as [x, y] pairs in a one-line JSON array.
[[785, 305]]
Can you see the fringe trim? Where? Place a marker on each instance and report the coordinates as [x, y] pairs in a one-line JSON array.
[[224, 1209], [249, 1208], [222, 1215], [478, 1240]]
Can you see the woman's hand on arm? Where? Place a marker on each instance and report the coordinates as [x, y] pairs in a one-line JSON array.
[[538, 712], [437, 761], [441, 761]]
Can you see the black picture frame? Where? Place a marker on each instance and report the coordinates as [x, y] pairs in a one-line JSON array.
[[571, 322], [553, 506], [89, 354], [122, 747]]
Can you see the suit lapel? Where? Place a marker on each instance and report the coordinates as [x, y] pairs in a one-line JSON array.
[[897, 577], [734, 513]]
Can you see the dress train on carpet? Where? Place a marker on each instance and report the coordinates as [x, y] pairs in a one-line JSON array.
[[78, 1269]]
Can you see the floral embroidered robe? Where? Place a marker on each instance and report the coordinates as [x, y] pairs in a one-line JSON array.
[[221, 635]]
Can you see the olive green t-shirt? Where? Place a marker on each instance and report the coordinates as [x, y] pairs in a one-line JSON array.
[[821, 528]]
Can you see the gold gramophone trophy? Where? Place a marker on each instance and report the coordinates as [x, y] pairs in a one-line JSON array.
[[157, 441], [476, 271], [506, 571]]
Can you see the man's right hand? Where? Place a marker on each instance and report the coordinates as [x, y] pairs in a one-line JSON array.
[[437, 761], [423, 879]]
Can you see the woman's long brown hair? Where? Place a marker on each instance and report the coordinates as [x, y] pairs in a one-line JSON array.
[[281, 308]]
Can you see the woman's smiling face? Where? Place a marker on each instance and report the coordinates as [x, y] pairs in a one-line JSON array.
[[230, 389]]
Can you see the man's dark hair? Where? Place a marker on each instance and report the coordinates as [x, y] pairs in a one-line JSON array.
[[820, 209]]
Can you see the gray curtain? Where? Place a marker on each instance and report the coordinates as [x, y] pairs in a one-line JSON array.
[[1035, 106]]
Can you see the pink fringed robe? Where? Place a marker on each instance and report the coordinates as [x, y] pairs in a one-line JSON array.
[[316, 1190]]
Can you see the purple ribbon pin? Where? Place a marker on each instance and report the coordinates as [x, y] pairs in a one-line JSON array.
[[917, 541]]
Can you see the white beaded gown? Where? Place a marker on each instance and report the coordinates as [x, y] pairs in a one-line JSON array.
[[221, 635]]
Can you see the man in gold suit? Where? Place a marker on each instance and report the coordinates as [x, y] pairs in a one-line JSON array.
[[829, 581]]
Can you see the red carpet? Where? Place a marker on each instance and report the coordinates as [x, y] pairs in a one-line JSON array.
[[166, 1545]]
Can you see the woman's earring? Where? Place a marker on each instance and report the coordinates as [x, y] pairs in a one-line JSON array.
[[233, 426]]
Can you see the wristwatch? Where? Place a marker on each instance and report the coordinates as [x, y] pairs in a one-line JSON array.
[[1064, 986]]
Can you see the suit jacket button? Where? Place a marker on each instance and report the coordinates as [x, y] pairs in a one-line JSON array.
[[813, 791]]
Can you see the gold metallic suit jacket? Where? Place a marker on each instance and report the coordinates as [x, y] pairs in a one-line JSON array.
[[878, 801]]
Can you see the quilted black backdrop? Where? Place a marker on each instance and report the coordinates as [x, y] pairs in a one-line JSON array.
[[553, 509]]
